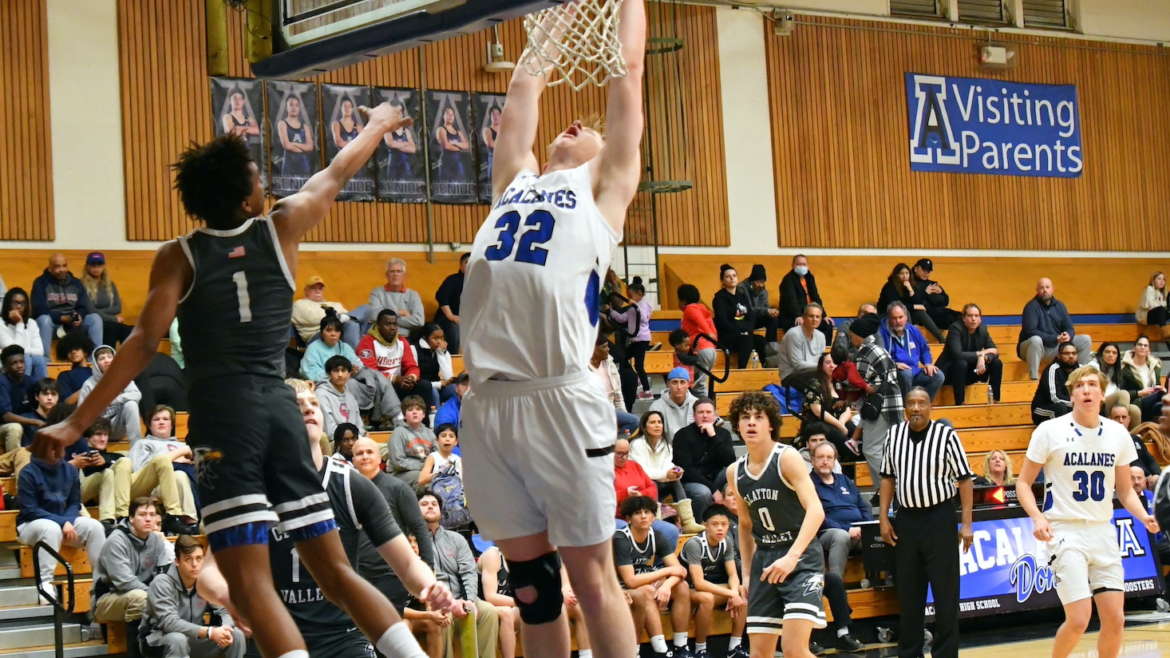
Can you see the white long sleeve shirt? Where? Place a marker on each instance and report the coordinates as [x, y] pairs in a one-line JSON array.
[[655, 461], [25, 334]]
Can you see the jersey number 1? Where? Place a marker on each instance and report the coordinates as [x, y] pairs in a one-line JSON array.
[[241, 279], [540, 224]]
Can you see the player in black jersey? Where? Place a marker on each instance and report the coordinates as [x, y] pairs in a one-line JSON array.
[[232, 284], [780, 514], [498, 591], [709, 558]]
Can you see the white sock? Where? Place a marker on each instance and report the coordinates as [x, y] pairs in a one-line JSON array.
[[658, 643], [585, 653], [843, 631], [299, 653], [680, 639], [700, 646], [734, 642], [398, 641]]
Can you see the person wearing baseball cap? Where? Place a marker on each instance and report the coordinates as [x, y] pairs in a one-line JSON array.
[[309, 311], [764, 315], [677, 406], [104, 299], [931, 292]]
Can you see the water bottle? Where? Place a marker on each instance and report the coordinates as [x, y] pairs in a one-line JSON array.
[[754, 362]]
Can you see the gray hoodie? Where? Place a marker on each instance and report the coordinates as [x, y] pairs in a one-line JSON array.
[[338, 408], [130, 393], [172, 608], [128, 563], [676, 416], [149, 447]]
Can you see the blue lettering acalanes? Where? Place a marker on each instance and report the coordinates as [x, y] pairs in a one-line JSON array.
[[1028, 578]]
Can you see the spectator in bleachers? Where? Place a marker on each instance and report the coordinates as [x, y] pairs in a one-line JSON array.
[[18, 328], [843, 507], [630, 480], [1151, 310], [103, 295], [428, 626], [709, 559], [383, 351], [884, 394], [900, 288], [105, 475], [449, 413], [1045, 325], [646, 564], [802, 345], [16, 401], [1145, 460], [434, 360], [443, 459], [997, 470], [603, 368], [933, 297], [395, 296], [344, 436], [908, 348], [158, 460], [310, 310], [970, 355], [697, 319], [73, 349], [1052, 398], [1107, 359], [132, 557], [634, 321], [824, 406], [703, 450], [677, 406], [175, 611], [1141, 376], [498, 591], [338, 405], [812, 436], [447, 296], [123, 413], [373, 393], [59, 300], [44, 397], [409, 445], [162, 382], [764, 315], [651, 448], [797, 289], [733, 319], [841, 341], [50, 511], [455, 566]]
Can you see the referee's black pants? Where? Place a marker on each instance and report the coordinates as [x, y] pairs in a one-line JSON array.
[[927, 553]]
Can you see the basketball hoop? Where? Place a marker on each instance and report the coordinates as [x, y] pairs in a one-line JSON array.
[[576, 43]]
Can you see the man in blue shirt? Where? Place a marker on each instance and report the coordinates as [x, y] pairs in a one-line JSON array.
[[15, 398], [843, 507], [911, 354]]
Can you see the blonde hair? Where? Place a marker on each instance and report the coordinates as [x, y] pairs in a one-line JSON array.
[[92, 284], [1008, 476], [1077, 375], [300, 385]]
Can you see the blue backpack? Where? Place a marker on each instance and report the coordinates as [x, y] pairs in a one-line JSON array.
[[448, 488]]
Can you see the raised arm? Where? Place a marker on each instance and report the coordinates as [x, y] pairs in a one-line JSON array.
[[513, 152], [618, 168]]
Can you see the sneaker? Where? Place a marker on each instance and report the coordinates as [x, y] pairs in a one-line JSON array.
[[683, 652], [815, 649], [739, 652], [645, 395], [700, 654], [849, 643], [668, 654], [172, 525]]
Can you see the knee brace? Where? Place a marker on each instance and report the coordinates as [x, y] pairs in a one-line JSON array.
[[543, 575]]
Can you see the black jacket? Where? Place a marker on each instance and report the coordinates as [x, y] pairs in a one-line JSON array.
[[896, 293], [929, 300], [725, 306], [702, 457], [792, 296], [962, 345]]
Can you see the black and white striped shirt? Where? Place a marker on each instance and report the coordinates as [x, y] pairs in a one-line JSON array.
[[925, 465]]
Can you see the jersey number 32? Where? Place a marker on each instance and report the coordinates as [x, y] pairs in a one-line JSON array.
[[539, 225]]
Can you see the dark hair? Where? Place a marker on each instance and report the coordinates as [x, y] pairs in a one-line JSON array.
[[1069, 343], [331, 319], [602, 338], [430, 492], [814, 428], [447, 426], [77, 340], [384, 312], [186, 545], [46, 385], [695, 406], [423, 332], [636, 286], [414, 402], [337, 362], [679, 337], [646, 417], [467, 254], [840, 353], [757, 401], [893, 278], [635, 504], [100, 426], [688, 294], [1112, 373], [463, 378], [825, 381], [214, 180], [716, 510], [339, 433], [7, 306], [170, 412], [149, 501], [10, 351]]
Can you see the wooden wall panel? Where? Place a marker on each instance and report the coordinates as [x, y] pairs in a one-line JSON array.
[[839, 138], [163, 65], [26, 179]]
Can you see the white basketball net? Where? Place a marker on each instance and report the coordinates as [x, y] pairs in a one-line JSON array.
[[575, 43]]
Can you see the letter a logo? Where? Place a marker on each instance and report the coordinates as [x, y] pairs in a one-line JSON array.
[[931, 139]]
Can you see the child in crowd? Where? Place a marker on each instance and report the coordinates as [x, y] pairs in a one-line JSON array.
[[123, 413], [709, 559], [73, 348], [443, 458], [636, 317], [698, 320], [338, 404], [409, 445], [44, 393], [373, 394]]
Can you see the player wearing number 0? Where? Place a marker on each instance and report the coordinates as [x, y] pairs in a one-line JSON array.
[[1085, 458], [782, 573], [539, 463], [232, 284]]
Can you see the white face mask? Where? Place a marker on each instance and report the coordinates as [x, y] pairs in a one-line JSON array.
[[800, 270]]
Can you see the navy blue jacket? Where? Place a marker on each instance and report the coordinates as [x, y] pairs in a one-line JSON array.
[[14, 395], [49, 491], [842, 502], [72, 380], [1047, 322]]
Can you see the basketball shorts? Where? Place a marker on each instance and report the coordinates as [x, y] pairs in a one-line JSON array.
[[538, 456], [798, 597], [1085, 559], [349, 643], [253, 461]]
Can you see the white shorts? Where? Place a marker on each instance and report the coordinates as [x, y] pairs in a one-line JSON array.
[[537, 456], [1085, 559]]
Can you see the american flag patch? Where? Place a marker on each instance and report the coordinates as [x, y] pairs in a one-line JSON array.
[[238, 252]]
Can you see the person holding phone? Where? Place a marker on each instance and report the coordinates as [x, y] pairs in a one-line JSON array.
[[652, 451]]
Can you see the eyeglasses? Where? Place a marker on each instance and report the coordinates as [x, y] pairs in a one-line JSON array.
[[621, 454]]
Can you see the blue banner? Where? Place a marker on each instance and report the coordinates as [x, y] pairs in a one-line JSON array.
[[986, 126]]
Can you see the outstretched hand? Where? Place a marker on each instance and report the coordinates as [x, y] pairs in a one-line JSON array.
[[50, 442], [388, 117]]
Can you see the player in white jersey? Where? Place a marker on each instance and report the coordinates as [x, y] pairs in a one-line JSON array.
[[538, 453], [1085, 459]]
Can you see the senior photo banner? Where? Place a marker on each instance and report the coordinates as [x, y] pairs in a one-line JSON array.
[[342, 125], [452, 154], [292, 113], [238, 108], [488, 109], [400, 161], [985, 126]]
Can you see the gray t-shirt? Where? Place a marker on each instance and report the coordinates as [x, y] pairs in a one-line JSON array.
[[644, 557], [713, 561]]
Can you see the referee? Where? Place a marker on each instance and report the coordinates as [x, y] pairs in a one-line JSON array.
[[922, 465]]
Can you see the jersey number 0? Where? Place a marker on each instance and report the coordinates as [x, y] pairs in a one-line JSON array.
[[540, 225]]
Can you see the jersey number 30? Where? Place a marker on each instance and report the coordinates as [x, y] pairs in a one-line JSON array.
[[540, 229], [1089, 486]]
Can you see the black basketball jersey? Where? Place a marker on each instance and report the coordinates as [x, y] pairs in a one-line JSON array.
[[775, 510], [234, 318], [355, 501], [503, 587]]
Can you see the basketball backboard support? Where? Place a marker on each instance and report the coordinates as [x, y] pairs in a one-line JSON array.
[[314, 36]]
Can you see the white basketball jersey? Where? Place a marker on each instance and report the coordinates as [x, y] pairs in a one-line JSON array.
[[1079, 465], [529, 308]]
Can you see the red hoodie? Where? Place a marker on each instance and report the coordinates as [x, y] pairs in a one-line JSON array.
[[388, 360], [698, 319]]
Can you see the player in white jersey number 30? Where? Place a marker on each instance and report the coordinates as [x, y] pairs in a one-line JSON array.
[[1085, 459], [539, 454]]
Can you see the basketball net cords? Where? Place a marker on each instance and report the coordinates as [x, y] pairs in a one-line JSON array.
[[576, 43]]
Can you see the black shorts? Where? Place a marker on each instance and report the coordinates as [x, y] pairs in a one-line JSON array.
[[348, 643], [253, 462], [798, 597]]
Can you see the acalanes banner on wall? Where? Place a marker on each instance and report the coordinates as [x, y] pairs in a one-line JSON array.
[[985, 126]]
